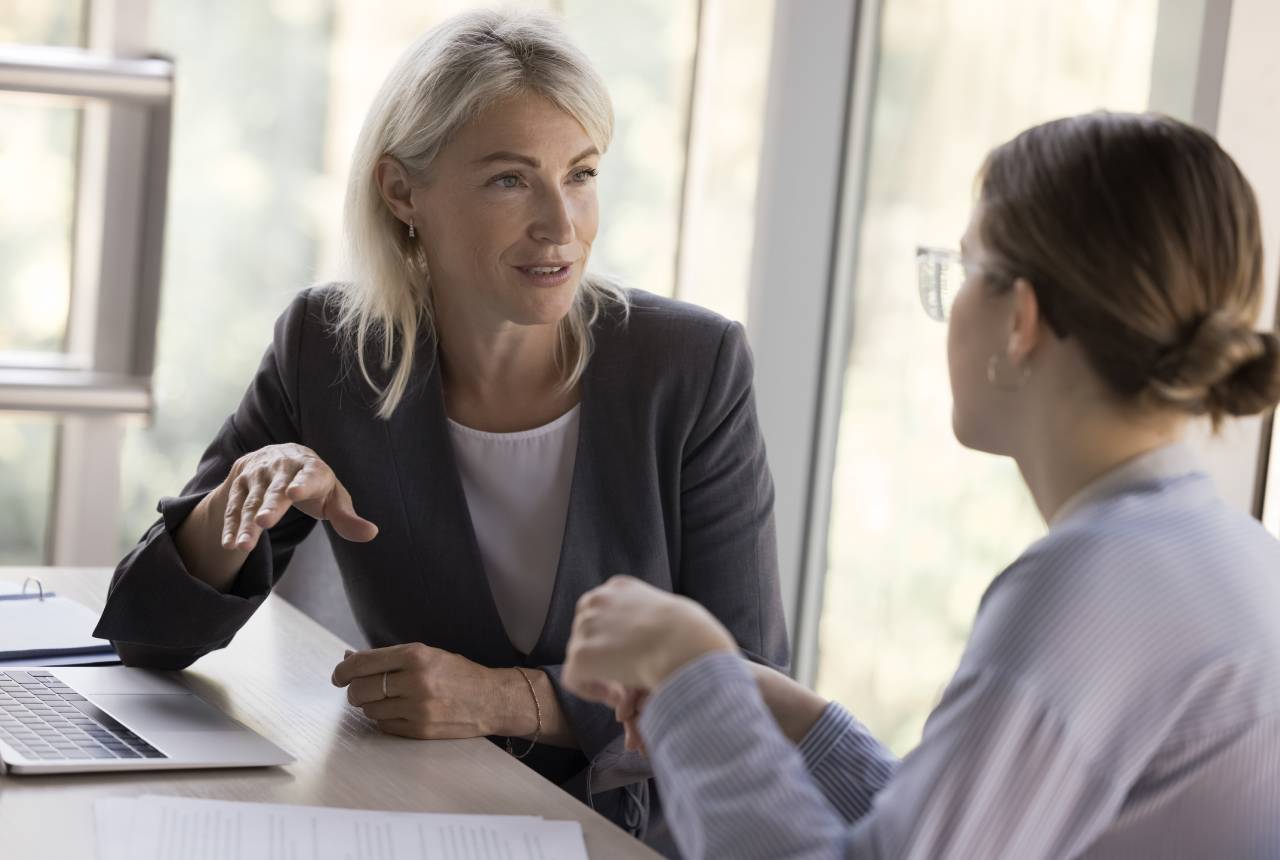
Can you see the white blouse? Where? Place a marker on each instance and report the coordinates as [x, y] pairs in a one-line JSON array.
[[517, 489]]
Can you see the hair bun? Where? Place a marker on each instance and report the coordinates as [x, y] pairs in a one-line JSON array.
[[1224, 368]]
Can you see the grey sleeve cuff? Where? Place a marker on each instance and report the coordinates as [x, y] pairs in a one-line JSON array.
[[155, 601], [594, 725]]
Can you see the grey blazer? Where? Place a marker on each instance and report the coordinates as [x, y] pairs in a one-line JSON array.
[[670, 485]]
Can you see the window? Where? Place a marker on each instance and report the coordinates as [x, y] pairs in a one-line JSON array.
[[26, 481], [37, 167], [920, 526]]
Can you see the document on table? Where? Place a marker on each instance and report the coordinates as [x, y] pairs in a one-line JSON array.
[[39, 628], [158, 828]]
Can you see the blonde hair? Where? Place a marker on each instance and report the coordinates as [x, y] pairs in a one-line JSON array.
[[1141, 238], [448, 77]]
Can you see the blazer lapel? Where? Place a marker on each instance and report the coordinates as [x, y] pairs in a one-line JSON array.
[[457, 612], [587, 555]]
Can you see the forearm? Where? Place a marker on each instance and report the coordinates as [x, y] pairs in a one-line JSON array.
[[199, 543], [795, 708], [518, 714], [847, 763]]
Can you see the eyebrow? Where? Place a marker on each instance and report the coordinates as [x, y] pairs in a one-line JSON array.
[[504, 155]]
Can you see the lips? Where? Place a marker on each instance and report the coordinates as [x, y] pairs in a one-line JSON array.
[[544, 268], [552, 273]]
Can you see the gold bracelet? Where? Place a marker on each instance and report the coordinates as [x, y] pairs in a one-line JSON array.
[[537, 707]]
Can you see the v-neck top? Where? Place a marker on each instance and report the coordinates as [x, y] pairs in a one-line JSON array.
[[517, 488]]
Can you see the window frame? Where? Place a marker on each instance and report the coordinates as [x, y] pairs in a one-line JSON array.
[[105, 372]]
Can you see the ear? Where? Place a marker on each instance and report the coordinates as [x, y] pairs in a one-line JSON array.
[[395, 187], [1025, 324]]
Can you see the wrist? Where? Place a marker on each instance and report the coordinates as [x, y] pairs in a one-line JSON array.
[[795, 708], [708, 641], [210, 515], [515, 714]]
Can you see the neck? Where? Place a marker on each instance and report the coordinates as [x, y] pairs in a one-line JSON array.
[[1073, 446], [497, 375]]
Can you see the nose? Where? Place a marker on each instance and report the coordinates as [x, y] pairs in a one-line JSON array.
[[554, 221]]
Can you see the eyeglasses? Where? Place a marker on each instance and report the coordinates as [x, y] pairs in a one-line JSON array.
[[941, 274]]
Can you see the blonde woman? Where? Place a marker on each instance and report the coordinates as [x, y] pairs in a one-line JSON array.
[[1119, 696], [486, 429]]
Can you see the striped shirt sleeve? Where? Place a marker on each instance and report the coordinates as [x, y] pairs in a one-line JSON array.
[[846, 762], [997, 775], [732, 785]]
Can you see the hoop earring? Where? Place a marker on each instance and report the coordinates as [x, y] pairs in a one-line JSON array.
[[993, 376], [412, 232]]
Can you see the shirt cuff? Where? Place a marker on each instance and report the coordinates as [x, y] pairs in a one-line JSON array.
[[849, 766], [823, 736]]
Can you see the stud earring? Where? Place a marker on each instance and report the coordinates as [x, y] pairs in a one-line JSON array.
[[993, 375], [412, 233]]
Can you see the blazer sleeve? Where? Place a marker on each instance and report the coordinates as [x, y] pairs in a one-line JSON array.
[[157, 614], [729, 551]]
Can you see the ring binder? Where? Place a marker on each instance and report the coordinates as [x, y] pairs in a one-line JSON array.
[[22, 594], [36, 625]]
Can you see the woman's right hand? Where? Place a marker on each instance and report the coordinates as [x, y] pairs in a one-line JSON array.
[[265, 483]]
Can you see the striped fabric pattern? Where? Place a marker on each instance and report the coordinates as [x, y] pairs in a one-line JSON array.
[[1119, 697]]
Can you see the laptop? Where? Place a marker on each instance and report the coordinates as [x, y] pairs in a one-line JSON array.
[[109, 718]]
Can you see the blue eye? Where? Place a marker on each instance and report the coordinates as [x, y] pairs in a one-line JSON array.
[[510, 180], [585, 174]]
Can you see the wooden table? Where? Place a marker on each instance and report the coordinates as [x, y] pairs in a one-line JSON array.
[[274, 678]]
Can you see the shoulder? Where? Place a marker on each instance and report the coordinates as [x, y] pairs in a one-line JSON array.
[[313, 307], [1099, 573], [660, 337], [657, 320], [1143, 587], [650, 309], [307, 328], [307, 348]]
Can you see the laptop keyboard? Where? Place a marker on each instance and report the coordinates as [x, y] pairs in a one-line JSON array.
[[44, 719]]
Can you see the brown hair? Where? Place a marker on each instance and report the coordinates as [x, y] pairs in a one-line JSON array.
[[1141, 239]]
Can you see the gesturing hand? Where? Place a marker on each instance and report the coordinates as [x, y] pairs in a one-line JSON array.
[[629, 636], [429, 693], [265, 483]]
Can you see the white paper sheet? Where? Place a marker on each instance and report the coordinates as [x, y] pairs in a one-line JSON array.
[[159, 828]]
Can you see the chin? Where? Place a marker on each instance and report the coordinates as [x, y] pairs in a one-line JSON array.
[[545, 307], [977, 435]]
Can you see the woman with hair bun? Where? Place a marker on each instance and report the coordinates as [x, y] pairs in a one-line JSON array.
[[1119, 696], [511, 427]]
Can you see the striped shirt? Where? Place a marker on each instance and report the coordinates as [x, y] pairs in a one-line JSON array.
[[1119, 697]]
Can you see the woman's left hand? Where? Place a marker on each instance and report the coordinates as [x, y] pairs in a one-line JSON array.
[[629, 636], [430, 693]]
